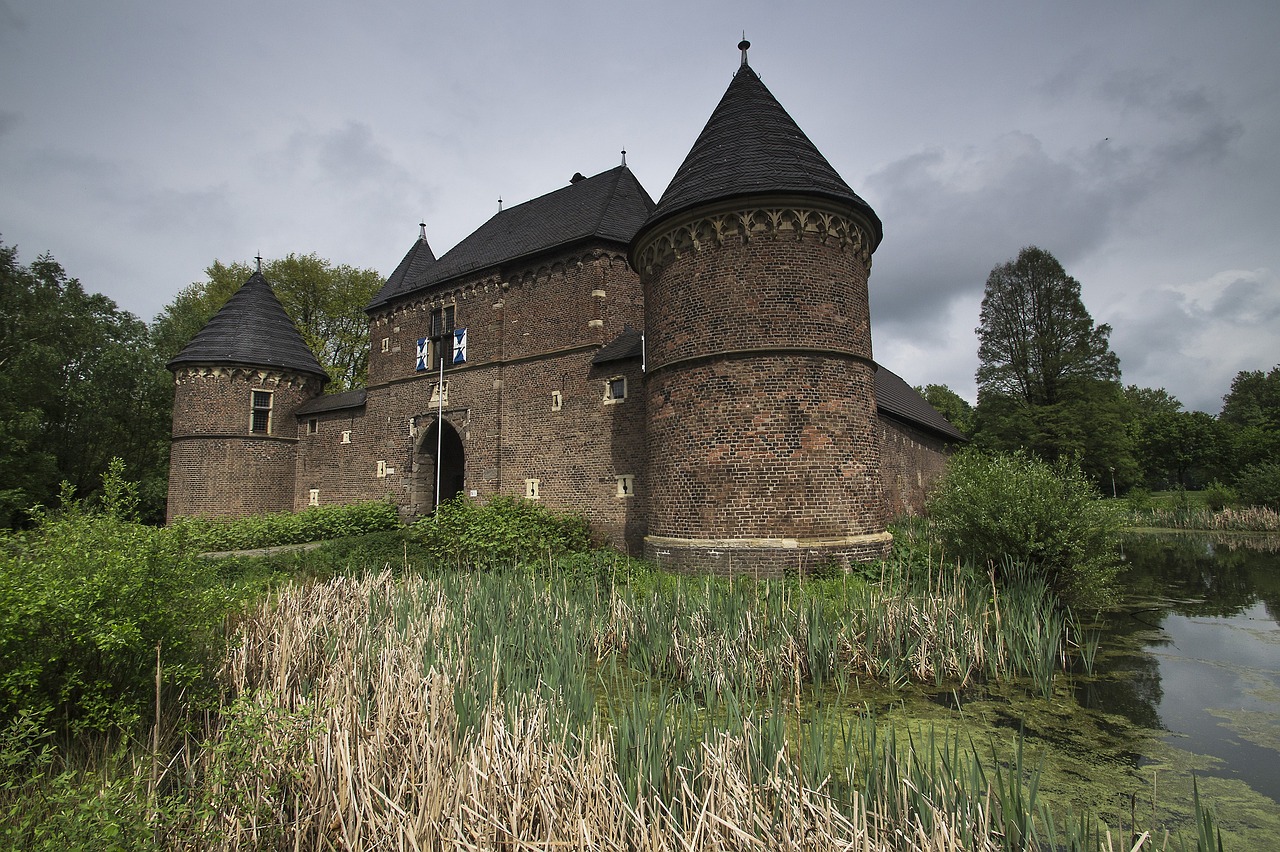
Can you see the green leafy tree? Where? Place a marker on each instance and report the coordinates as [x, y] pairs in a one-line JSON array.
[[326, 302], [1048, 381], [951, 405], [1172, 446], [77, 387], [1251, 417]]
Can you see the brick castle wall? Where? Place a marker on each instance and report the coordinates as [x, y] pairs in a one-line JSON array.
[[217, 466], [761, 410], [911, 463]]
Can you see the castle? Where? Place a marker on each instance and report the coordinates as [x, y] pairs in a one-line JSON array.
[[694, 376]]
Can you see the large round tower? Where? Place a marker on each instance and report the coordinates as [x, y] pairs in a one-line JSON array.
[[237, 386], [761, 418]]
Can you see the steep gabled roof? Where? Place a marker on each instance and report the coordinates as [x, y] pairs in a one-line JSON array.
[[415, 264], [251, 330], [750, 146], [610, 206], [898, 399]]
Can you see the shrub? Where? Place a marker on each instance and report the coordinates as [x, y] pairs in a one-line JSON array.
[[1218, 496], [1007, 509], [504, 530], [313, 524], [86, 599], [1259, 485]]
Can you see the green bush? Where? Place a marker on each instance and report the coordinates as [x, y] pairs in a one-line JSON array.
[[1218, 496], [1259, 485], [998, 510], [502, 531], [86, 599], [313, 524]]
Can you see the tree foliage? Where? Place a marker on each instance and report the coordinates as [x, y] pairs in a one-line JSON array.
[[326, 302], [77, 387], [1048, 381], [1036, 341], [949, 404]]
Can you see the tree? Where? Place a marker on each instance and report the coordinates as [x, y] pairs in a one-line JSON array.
[[76, 387], [1251, 419], [1037, 342], [951, 405], [1047, 378], [325, 301]]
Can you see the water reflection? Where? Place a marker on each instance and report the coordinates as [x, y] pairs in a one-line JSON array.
[[1193, 651]]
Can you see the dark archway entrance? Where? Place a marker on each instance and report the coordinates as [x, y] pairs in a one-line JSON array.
[[452, 467]]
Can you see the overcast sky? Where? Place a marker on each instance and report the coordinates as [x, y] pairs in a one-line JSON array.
[[1139, 142]]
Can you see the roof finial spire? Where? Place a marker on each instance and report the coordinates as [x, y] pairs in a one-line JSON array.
[[624, 156], [499, 203], [258, 258], [743, 46], [422, 230]]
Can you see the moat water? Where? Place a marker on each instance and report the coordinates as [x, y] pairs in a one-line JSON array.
[[1186, 683]]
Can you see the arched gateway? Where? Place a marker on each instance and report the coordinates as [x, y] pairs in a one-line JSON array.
[[441, 450]]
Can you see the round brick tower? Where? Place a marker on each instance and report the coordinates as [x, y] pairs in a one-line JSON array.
[[761, 411], [237, 386]]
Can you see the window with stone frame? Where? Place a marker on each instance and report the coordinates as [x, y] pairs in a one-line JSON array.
[[615, 389], [441, 336], [260, 412]]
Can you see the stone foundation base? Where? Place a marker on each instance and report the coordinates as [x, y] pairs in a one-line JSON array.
[[765, 557]]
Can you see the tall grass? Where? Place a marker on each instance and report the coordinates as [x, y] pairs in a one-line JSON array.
[[1250, 519], [512, 710]]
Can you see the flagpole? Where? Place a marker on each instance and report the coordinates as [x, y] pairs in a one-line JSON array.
[[439, 425]]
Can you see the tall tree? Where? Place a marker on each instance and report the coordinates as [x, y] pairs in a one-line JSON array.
[[1251, 417], [76, 387], [326, 302], [1047, 378], [1036, 341]]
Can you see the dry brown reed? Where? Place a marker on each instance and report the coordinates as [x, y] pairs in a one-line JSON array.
[[343, 733]]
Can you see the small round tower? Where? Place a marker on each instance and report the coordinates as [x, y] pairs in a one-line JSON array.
[[237, 386], [761, 411]]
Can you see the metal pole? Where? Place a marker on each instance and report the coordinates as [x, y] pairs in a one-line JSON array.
[[439, 425]]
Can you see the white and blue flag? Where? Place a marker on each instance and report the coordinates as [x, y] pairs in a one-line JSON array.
[[459, 346], [424, 353]]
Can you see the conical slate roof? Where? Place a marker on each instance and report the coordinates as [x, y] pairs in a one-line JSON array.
[[415, 264], [751, 145], [251, 330], [611, 206]]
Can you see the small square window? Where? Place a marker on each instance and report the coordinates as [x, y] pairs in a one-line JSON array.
[[260, 412], [313, 426], [557, 400], [531, 489], [615, 389], [313, 497], [626, 484]]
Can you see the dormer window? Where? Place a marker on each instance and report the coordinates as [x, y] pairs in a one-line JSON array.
[[260, 413]]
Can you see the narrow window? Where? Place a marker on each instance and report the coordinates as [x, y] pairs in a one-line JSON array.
[[615, 390], [531, 489], [386, 344], [557, 400], [382, 469], [626, 484], [260, 415], [313, 497], [346, 436], [442, 336], [313, 426]]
